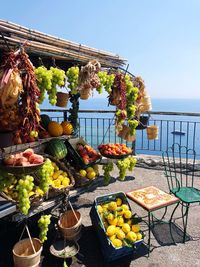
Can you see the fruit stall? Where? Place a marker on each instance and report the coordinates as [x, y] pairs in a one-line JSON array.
[[44, 161]]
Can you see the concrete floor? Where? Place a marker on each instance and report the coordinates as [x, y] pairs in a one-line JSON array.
[[164, 252]]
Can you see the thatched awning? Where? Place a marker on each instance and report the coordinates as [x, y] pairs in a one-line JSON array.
[[40, 44]]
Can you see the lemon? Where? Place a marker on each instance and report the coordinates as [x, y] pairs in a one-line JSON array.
[[119, 202], [120, 221], [126, 228], [112, 206], [65, 181], [99, 208], [57, 183], [60, 177], [89, 169], [105, 207], [65, 174], [110, 230], [117, 243], [129, 222], [110, 217], [139, 236], [136, 228], [91, 175], [112, 237], [113, 222], [120, 234], [82, 173], [131, 236], [125, 207], [127, 214]]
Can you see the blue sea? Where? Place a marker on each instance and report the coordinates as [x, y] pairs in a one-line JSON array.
[[95, 133]]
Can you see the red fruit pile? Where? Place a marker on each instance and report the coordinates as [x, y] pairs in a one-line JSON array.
[[87, 153], [26, 158], [114, 149]]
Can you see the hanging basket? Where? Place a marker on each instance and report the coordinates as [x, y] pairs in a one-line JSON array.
[[152, 132], [143, 121], [62, 99], [125, 134], [85, 93]]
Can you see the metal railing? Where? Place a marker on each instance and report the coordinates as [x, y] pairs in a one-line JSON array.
[[98, 126]]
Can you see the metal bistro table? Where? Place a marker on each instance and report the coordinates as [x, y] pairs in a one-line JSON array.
[[152, 199]]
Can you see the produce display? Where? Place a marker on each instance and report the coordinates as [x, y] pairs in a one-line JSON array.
[[59, 178], [67, 127], [90, 172], [55, 129], [87, 153], [121, 227], [26, 158], [114, 149]]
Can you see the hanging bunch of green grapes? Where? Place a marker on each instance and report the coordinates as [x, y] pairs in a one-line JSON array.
[[58, 79], [72, 78], [24, 187], [44, 174], [44, 83], [6, 179], [107, 169], [43, 224], [106, 81]]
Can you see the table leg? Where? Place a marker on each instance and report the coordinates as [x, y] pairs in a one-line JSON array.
[[149, 233], [170, 221]]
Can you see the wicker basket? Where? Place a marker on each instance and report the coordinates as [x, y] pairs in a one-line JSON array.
[[62, 99], [85, 93], [152, 132], [125, 134]]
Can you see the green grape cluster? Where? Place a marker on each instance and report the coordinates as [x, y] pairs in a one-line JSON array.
[[24, 187], [106, 81], [58, 79], [125, 164], [107, 169], [132, 162], [43, 224], [6, 179], [72, 78], [44, 174], [47, 81], [133, 124]]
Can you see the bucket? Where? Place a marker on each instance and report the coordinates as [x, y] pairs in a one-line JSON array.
[[62, 99], [70, 224], [85, 93], [23, 254], [152, 132]]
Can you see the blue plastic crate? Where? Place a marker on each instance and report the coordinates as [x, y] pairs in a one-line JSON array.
[[109, 251]]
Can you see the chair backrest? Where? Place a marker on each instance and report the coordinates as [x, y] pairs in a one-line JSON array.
[[179, 166]]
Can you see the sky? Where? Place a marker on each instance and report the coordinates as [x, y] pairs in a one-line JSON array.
[[160, 39]]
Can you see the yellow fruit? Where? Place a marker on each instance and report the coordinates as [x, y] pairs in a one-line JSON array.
[[82, 173], [56, 174], [110, 216], [120, 234], [131, 236], [105, 207], [60, 177], [110, 230], [126, 228], [99, 208], [55, 129], [120, 221], [65, 174], [57, 183], [113, 222], [129, 222], [139, 236], [112, 206], [31, 193], [119, 202], [67, 127], [125, 207], [127, 214], [117, 243], [96, 169], [89, 169], [135, 228], [112, 237], [65, 181], [91, 175]]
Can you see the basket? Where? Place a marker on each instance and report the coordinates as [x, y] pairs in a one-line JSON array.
[[70, 224], [110, 253], [143, 121], [20, 169], [85, 93], [115, 157], [62, 99], [57, 191], [73, 154], [152, 132], [125, 134]]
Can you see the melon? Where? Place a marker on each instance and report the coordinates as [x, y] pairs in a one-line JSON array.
[[67, 127], [55, 129], [45, 120], [56, 148]]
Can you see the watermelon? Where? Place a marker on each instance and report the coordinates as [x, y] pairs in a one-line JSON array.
[[56, 148], [45, 120]]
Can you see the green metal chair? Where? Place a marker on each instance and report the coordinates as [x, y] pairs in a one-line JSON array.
[[179, 169]]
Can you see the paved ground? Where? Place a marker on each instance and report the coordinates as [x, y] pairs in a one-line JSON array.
[[164, 252]]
